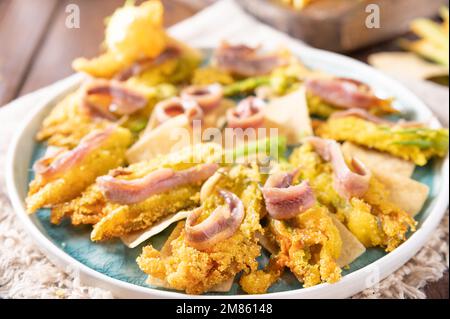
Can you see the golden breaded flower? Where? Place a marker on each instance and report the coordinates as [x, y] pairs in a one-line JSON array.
[[132, 33], [135, 32]]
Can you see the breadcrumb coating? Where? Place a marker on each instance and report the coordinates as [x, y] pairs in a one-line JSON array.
[[119, 220], [322, 109], [188, 269], [64, 187], [309, 246], [67, 124], [373, 219], [115, 220], [413, 144], [259, 281]]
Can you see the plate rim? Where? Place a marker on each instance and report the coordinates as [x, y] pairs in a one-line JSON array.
[[349, 285]]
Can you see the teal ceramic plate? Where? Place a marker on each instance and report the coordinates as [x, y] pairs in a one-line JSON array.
[[112, 265]]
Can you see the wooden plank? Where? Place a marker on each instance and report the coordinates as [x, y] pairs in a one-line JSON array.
[[62, 45], [4, 4], [22, 25], [395, 19]]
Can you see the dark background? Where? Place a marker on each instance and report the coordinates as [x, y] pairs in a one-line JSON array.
[[36, 49]]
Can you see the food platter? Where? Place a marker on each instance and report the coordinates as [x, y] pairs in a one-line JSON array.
[[112, 266]]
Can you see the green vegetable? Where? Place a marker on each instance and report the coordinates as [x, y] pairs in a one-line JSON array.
[[424, 138], [136, 125], [274, 147], [282, 80], [422, 144], [245, 86]]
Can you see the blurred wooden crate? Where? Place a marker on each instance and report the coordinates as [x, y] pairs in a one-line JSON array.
[[340, 25]]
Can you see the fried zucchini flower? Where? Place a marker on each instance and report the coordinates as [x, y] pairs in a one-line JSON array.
[[131, 28], [416, 143], [304, 237], [96, 105], [133, 198], [132, 33], [196, 265], [309, 246], [67, 123], [64, 175], [138, 49], [372, 218], [329, 95]]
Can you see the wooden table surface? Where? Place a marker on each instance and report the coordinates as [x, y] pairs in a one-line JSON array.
[[37, 49]]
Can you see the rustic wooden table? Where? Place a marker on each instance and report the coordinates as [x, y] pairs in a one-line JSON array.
[[37, 49]]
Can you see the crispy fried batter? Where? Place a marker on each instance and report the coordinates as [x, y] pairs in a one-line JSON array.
[[106, 65], [175, 70], [86, 209], [412, 144], [132, 33], [110, 154], [322, 109], [194, 271], [135, 35], [67, 124], [259, 281], [119, 220], [115, 220], [309, 246], [372, 219]]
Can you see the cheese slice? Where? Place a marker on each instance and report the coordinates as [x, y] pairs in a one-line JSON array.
[[168, 137], [404, 192], [352, 248], [290, 115]]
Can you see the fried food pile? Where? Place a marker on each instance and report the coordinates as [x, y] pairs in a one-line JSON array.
[[143, 143], [433, 42], [129, 52], [138, 68], [308, 245], [114, 218]]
